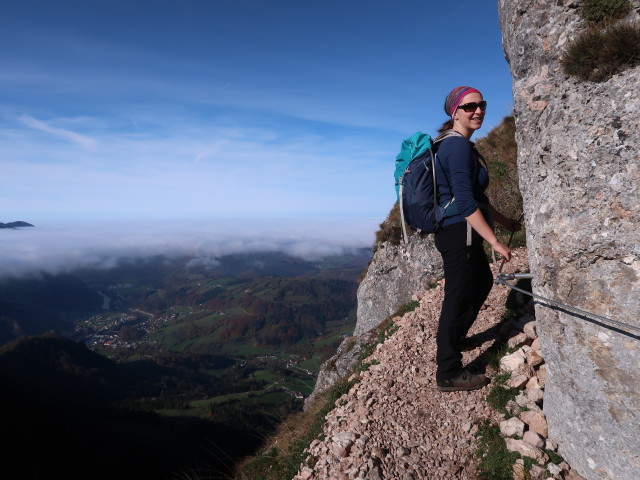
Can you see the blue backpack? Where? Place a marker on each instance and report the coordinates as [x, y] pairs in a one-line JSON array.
[[416, 187]]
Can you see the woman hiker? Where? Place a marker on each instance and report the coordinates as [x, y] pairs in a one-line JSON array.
[[468, 220]]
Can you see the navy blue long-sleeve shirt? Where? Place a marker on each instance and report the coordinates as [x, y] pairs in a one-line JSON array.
[[455, 168]]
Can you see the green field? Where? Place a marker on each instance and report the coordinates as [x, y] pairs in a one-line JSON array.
[[273, 318]]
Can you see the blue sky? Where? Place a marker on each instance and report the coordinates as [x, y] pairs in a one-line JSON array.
[[164, 110]]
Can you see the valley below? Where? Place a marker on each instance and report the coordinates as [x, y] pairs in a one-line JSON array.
[[227, 347]]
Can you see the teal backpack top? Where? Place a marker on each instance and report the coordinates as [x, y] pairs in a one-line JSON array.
[[413, 147]]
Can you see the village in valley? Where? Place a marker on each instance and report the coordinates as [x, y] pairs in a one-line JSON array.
[[120, 333]]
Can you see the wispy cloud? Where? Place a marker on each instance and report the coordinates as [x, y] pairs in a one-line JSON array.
[[73, 137], [196, 171]]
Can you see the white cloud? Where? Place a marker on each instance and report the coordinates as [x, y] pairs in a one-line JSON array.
[[77, 138], [59, 247], [205, 261]]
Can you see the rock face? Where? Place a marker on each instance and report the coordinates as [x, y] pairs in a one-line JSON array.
[[578, 160], [396, 274], [340, 364]]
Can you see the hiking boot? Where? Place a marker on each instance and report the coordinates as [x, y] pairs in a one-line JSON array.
[[465, 381]]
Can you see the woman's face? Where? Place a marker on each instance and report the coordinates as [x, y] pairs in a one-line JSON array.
[[472, 120]]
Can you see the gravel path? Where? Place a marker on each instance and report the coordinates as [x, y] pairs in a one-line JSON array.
[[394, 423]]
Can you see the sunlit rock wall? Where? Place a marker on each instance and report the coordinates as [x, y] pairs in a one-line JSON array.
[[395, 275], [579, 168]]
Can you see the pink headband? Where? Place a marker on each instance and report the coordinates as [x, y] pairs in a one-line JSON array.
[[455, 97]]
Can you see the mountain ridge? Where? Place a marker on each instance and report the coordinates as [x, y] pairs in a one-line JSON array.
[[15, 225]]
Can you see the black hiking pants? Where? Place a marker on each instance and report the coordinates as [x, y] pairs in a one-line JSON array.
[[468, 281]]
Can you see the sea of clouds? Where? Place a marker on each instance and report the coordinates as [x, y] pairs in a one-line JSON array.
[[55, 247]]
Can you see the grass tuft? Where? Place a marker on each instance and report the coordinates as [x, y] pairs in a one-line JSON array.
[[391, 229], [500, 394], [406, 308], [598, 11], [495, 461], [554, 457], [385, 330], [598, 54]]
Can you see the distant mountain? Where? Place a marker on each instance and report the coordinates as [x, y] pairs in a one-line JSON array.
[[51, 366], [62, 416], [15, 224], [32, 306]]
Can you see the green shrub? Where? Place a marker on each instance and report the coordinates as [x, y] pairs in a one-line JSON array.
[[597, 11], [391, 229], [596, 55]]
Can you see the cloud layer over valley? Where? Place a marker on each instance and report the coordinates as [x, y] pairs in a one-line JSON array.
[[62, 247]]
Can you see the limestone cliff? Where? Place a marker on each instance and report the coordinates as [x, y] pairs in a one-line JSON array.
[[396, 274], [579, 173]]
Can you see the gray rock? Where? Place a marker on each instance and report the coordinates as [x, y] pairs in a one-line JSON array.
[[534, 439], [527, 450], [525, 403], [513, 408], [536, 421], [338, 366], [511, 427], [579, 168], [395, 275], [554, 469], [512, 361], [537, 472], [535, 395], [517, 340], [530, 330], [517, 381], [534, 359]]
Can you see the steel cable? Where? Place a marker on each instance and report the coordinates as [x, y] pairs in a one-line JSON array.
[[502, 278]]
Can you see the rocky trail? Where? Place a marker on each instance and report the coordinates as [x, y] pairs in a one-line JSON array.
[[395, 424]]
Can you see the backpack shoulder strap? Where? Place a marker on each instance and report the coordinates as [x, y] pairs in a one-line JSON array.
[[446, 134]]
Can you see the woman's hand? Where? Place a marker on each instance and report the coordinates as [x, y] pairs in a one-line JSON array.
[[502, 249]]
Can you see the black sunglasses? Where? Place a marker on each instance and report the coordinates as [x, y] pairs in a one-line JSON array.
[[473, 106]]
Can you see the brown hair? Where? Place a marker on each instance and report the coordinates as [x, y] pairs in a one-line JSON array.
[[448, 125]]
